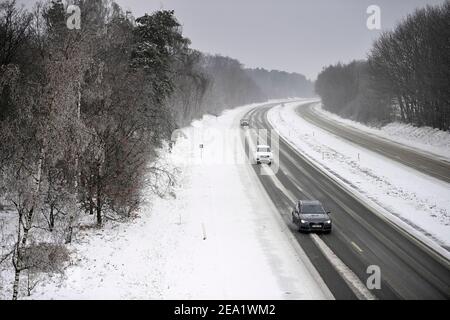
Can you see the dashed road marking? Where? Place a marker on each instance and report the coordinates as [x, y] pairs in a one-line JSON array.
[[355, 284], [357, 247]]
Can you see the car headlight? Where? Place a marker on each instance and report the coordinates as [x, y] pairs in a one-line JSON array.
[[302, 221], [328, 221]]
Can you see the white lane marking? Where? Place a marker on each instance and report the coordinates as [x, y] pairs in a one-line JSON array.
[[356, 247], [292, 177], [296, 245], [348, 275], [404, 228], [281, 187], [355, 284], [290, 236]]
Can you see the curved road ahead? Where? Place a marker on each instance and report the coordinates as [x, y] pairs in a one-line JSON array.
[[420, 161], [409, 269]]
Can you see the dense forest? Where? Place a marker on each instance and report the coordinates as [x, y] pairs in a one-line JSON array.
[[210, 85], [83, 113], [281, 84], [405, 78], [221, 82]]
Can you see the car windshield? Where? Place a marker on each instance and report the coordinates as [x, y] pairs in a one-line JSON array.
[[263, 149], [312, 208]]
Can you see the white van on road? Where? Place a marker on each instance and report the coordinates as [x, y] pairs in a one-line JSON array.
[[263, 154]]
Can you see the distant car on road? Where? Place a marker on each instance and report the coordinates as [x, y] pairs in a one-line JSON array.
[[263, 154], [309, 215], [245, 123]]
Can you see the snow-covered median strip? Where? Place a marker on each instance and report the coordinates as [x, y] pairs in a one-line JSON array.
[[219, 239], [420, 203], [425, 139]]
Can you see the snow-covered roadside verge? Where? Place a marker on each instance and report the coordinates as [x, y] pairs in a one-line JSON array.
[[421, 204], [425, 139], [218, 239]]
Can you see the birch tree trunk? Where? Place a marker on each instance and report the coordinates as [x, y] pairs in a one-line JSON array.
[[26, 225]]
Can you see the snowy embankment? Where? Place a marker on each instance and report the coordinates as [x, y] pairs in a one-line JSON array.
[[425, 139], [419, 204], [220, 238]]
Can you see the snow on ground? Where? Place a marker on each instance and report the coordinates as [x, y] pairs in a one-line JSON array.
[[221, 238], [421, 202], [424, 139], [8, 223]]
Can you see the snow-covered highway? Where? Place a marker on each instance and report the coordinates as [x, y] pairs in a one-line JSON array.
[[220, 238], [228, 233], [362, 237], [433, 165]]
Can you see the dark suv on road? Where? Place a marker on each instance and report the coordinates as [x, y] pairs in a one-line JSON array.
[[311, 216], [245, 123]]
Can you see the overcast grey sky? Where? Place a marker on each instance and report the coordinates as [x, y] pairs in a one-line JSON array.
[[292, 35]]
